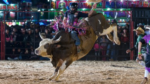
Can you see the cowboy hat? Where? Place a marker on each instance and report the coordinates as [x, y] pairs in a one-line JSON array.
[[139, 29], [147, 26]]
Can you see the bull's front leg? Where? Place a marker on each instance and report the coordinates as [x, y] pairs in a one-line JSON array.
[[63, 68], [57, 69]]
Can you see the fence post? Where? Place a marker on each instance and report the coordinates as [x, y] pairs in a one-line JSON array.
[[2, 41], [131, 37]]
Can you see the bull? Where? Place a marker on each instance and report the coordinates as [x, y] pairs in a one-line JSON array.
[[62, 49]]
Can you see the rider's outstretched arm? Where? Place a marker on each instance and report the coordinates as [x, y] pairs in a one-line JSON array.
[[92, 10]]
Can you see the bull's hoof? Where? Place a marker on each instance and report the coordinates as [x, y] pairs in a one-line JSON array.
[[51, 78], [56, 79], [109, 36], [145, 80]]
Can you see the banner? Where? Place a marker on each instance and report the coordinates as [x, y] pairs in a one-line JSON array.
[[86, 5], [53, 4], [61, 4], [145, 4], [4, 7], [12, 7]]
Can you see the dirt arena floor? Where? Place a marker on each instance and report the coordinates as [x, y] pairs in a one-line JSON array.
[[80, 72]]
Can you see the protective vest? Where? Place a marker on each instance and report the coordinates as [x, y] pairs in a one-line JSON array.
[[72, 19]]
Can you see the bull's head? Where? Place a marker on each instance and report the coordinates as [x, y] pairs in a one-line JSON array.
[[46, 46]]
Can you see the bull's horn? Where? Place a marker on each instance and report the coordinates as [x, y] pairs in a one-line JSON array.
[[42, 35], [57, 40]]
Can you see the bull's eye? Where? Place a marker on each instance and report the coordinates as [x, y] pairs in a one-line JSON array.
[[46, 46]]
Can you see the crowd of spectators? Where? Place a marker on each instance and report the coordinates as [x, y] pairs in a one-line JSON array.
[[22, 40]]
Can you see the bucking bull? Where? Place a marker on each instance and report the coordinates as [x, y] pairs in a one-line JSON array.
[[62, 50]]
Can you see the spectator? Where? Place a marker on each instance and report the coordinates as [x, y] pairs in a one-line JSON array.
[[127, 26], [37, 37], [32, 50], [108, 50], [22, 45], [124, 43], [103, 46], [23, 35], [48, 35], [26, 54], [13, 55], [7, 35], [52, 32], [8, 50], [42, 29], [15, 31], [114, 52], [18, 53], [96, 48], [13, 36], [29, 37], [17, 34], [12, 44], [17, 44], [28, 45]]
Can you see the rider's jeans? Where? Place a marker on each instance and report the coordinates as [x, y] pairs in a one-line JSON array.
[[75, 37]]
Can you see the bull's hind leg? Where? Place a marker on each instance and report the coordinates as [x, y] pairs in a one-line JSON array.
[[116, 39], [59, 64], [62, 68], [109, 36]]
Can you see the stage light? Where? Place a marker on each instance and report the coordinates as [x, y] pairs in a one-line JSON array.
[[121, 9], [83, 9], [61, 0], [108, 8], [52, 9], [129, 16], [116, 15], [39, 10], [11, 4], [6, 1]]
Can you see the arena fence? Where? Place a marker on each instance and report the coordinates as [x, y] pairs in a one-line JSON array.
[[18, 44]]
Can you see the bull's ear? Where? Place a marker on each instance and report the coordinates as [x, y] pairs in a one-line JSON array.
[[57, 40], [42, 35]]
